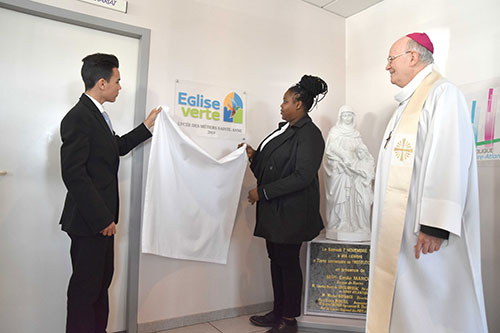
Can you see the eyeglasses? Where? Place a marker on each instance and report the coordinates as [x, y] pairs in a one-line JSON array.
[[390, 59]]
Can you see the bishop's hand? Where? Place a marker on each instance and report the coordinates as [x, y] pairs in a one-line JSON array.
[[427, 244]]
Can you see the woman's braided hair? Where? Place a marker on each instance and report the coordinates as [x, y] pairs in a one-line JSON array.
[[310, 90]]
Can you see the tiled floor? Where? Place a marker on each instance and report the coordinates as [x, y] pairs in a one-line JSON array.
[[232, 325]]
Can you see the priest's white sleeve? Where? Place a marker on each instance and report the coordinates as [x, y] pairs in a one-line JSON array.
[[446, 161]]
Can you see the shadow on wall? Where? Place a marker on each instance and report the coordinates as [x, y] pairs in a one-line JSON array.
[[372, 128], [440, 37]]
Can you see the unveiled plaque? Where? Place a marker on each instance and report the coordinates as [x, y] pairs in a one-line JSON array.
[[337, 278]]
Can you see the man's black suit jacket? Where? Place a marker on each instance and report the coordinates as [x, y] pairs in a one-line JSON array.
[[90, 155]]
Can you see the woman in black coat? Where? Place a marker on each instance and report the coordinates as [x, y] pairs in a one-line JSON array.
[[286, 166]]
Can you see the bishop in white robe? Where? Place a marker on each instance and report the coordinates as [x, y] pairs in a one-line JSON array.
[[440, 291]]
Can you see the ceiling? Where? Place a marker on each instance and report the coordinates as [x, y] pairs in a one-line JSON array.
[[344, 8]]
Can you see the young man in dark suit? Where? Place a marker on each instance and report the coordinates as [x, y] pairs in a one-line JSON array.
[[90, 155]]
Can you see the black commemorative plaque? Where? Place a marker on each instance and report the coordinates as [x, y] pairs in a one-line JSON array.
[[337, 278]]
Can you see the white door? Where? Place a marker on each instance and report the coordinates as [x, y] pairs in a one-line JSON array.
[[40, 81]]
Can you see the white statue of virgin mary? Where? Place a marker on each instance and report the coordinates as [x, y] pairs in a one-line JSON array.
[[349, 170]]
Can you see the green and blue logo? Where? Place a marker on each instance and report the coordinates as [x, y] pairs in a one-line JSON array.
[[233, 108], [200, 107]]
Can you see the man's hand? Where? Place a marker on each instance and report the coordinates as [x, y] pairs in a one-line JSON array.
[[427, 244], [253, 196], [150, 120], [110, 230]]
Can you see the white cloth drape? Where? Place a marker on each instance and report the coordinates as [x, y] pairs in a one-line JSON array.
[[191, 198]]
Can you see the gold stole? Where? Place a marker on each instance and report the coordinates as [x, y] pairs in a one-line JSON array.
[[394, 211]]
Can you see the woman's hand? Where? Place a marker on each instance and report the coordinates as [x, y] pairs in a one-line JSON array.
[[253, 196], [250, 150]]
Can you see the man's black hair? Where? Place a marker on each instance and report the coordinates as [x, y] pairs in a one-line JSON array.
[[97, 66]]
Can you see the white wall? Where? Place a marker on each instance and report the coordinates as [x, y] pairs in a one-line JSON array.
[[262, 47], [466, 37]]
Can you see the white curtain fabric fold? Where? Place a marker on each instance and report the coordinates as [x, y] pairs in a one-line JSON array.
[[191, 198]]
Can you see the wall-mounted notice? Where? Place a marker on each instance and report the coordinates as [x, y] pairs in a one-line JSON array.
[[482, 99], [210, 111], [119, 5], [337, 278]]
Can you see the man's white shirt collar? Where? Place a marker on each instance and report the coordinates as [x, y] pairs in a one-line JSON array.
[[99, 105], [410, 88]]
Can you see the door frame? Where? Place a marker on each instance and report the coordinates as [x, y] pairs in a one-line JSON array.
[[144, 37]]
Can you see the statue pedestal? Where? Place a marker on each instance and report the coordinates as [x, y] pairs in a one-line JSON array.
[[337, 282], [347, 236]]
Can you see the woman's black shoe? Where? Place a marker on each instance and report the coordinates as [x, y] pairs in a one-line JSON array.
[[267, 320]]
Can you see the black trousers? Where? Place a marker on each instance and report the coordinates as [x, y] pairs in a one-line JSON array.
[[92, 258], [286, 277]]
